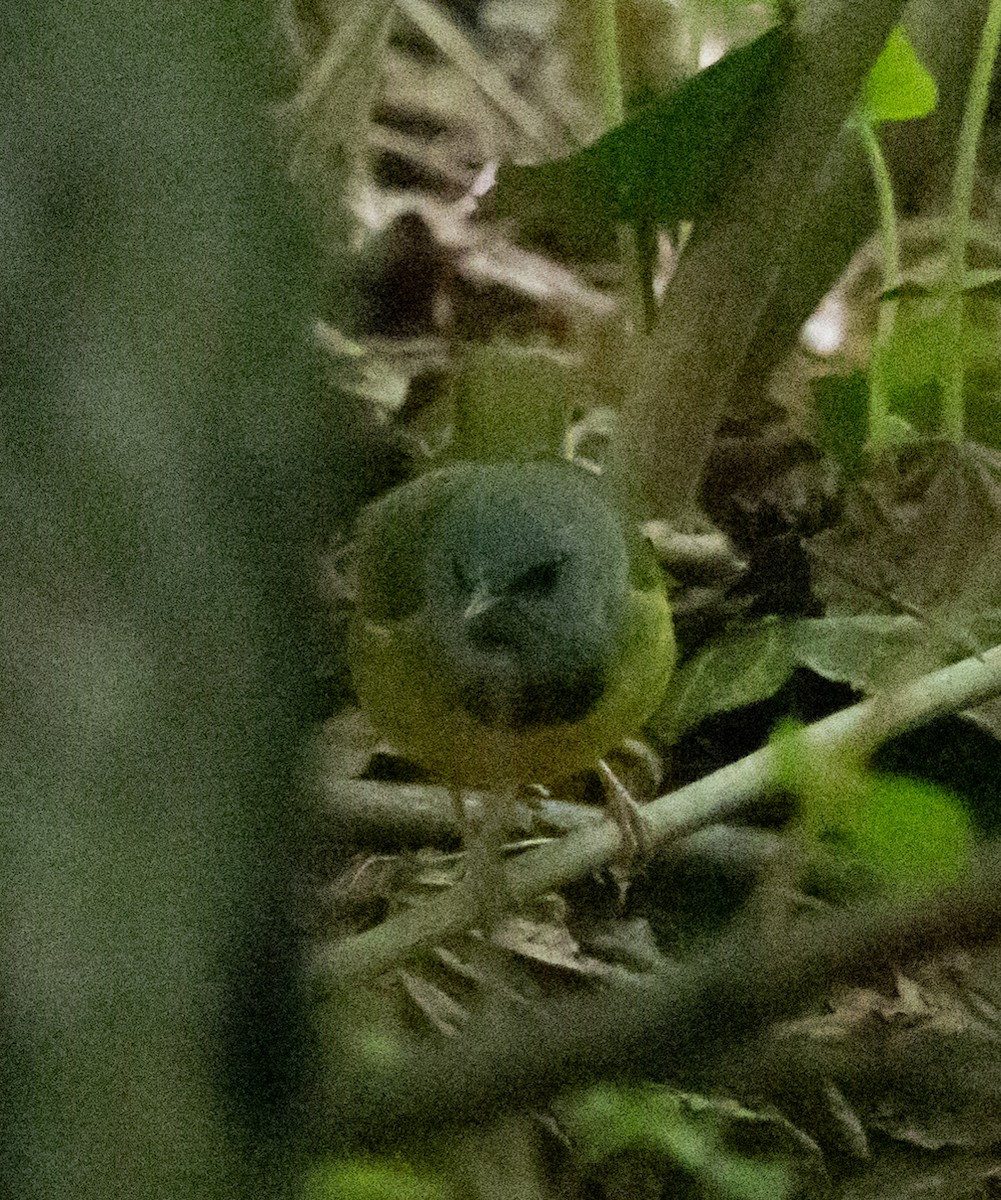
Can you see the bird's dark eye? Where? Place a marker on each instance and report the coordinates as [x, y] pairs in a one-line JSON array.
[[540, 578]]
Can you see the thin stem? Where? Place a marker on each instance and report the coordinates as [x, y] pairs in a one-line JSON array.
[[613, 111], [606, 53], [959, 224], [878, 406]]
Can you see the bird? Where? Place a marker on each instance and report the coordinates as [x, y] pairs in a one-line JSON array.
[[511, 624]]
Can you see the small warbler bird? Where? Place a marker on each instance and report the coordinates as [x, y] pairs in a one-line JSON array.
[[511, 625]]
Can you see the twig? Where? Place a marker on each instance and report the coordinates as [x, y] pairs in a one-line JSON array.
[[707, 801], [488, 77], [678, 1024]]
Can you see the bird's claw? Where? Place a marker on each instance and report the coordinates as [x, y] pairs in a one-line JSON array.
[[635, 837]]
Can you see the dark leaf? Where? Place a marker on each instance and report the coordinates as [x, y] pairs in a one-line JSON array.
[[740, 668], [925, 532], [842, 404], [668, 163], [921, 537]]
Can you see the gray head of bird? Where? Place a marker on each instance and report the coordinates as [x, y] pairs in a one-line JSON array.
[[527, 583]]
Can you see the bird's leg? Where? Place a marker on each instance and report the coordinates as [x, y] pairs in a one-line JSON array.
[[494, 895], [626, 813], [485, 874]]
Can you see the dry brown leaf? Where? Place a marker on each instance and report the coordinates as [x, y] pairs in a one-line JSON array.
[[925, 532], [922, 536]]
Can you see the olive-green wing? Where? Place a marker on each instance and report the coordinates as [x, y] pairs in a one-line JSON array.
[[645, 573], [648, 648]]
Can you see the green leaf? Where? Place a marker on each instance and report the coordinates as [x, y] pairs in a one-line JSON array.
[[667, 164], [865, 650], [691, 1132], [842, 407], [870, 651], [915, 836], [607, 1120], [740, 668], [912, 362], [898, 88], [365, 1179]]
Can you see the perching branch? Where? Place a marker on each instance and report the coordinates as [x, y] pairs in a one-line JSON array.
[[714, 798], [689, 1017]]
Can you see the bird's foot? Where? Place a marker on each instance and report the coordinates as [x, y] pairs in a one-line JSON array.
[[636, 840], [485, 874]]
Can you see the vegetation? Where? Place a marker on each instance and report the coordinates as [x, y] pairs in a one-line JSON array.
[[744, 260]]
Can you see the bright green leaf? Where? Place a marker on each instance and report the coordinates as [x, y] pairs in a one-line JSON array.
[[365, 1179], [898, 88], [606, 1120], [692, 1132], [609, 1119], [914, 834]]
